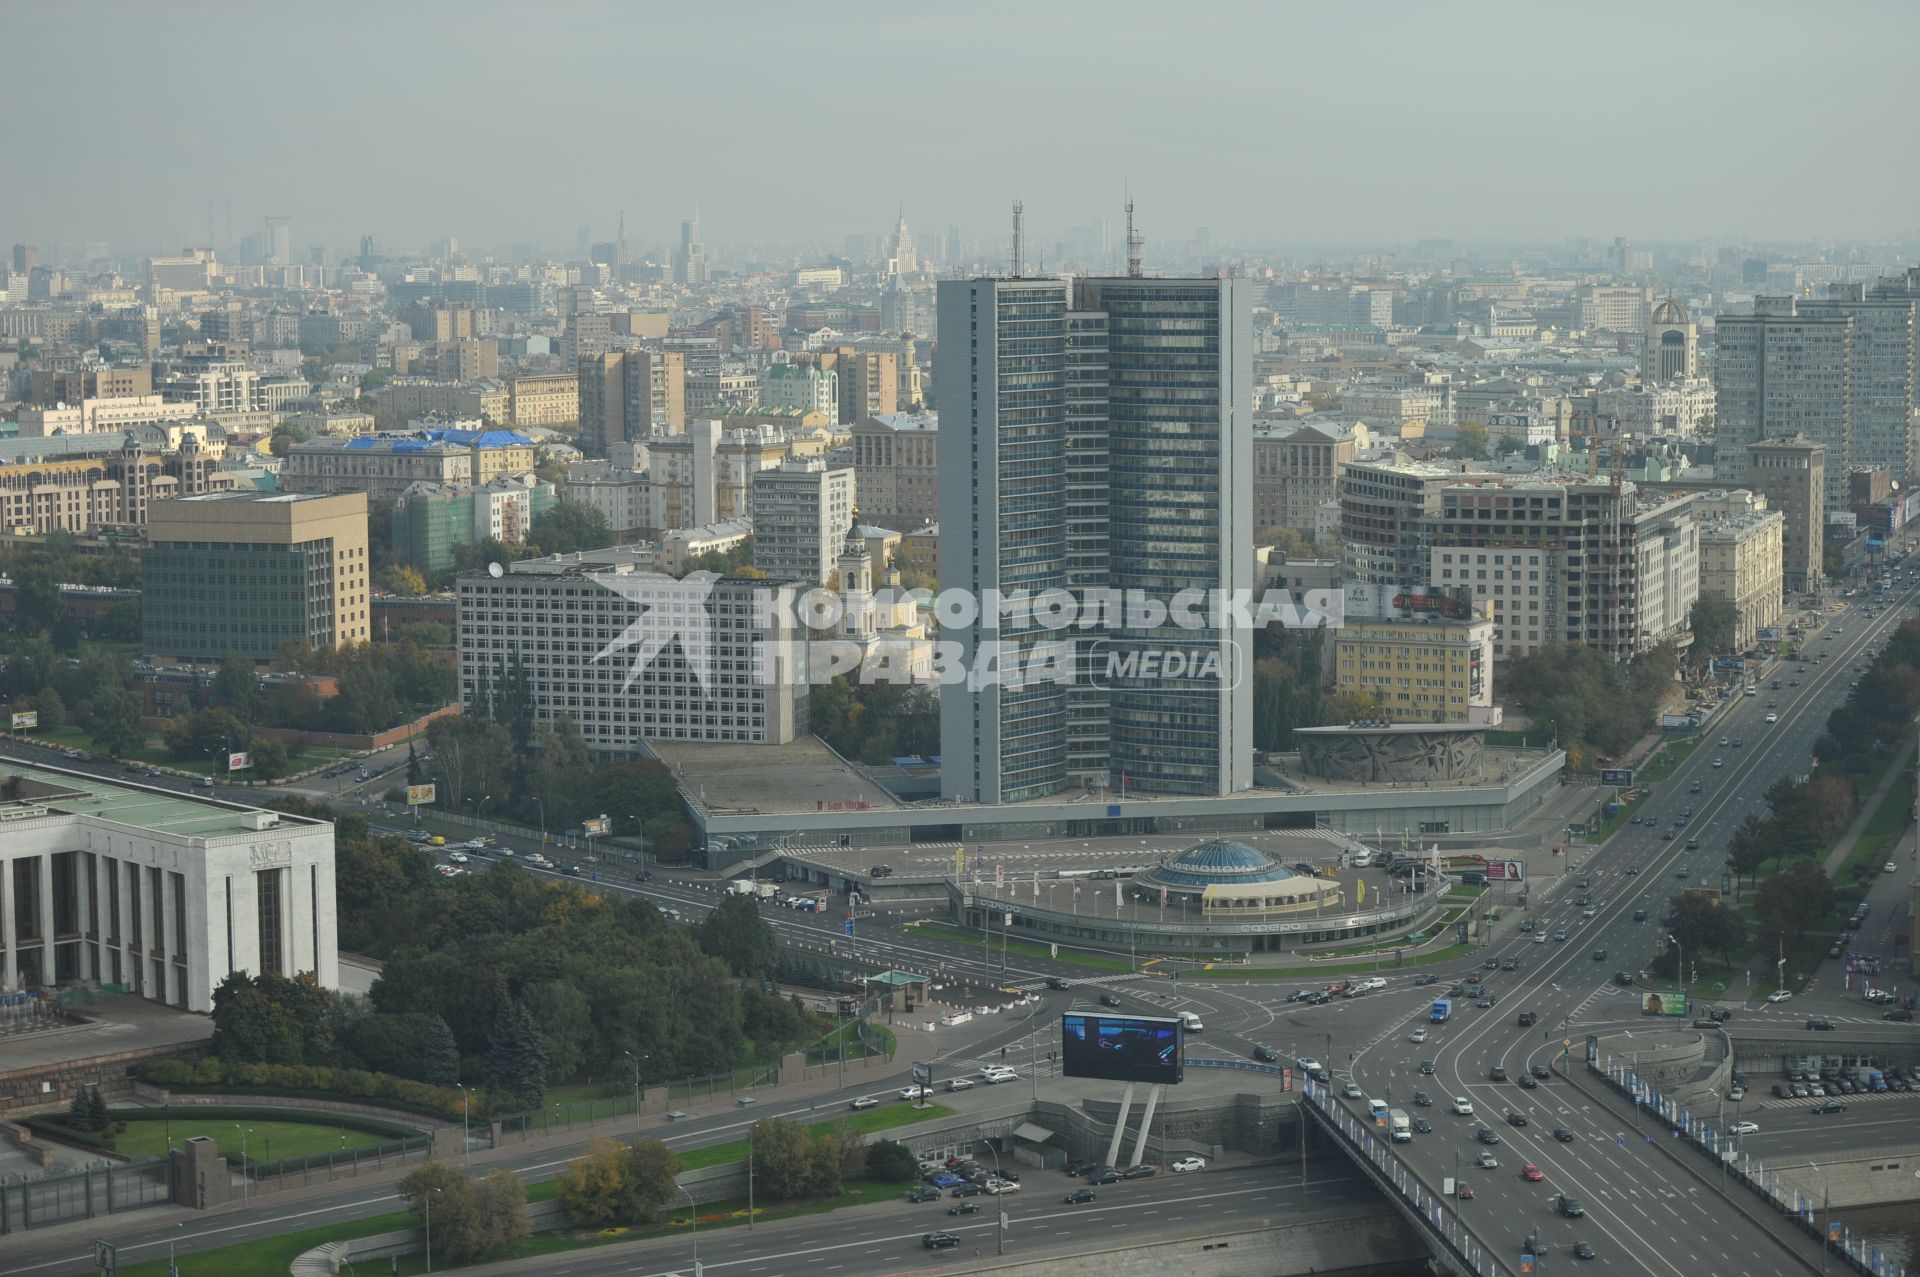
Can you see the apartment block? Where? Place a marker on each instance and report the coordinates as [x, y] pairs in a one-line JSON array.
[[628, 395], [84, 483], [896, 463], [1296, 470], [1779, 372], [802, 509], [1791, 474], [1419, 670], [1741, 561]]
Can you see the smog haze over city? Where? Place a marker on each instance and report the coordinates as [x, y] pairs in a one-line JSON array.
[[1268, 123]]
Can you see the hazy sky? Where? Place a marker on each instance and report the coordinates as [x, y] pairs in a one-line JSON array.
[[499, 123]]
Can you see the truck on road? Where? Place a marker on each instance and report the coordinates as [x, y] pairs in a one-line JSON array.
[[1442, 1010], [1401, 1127]]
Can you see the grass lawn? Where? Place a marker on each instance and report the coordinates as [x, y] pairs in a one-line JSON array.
[[1666, 759], [1881, 832], [1025, 948], [153, 755], [866, 1121], [266, 1141]]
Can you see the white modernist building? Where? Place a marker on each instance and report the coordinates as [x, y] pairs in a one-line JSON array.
[[156, 891]]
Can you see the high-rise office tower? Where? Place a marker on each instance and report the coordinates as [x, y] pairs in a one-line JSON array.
[[1673, 345], [902, 257], [1881, 395], [1780, 372], [690, 259], [1791, 474], [1096, 436]]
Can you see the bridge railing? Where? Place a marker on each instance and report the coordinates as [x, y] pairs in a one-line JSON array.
[[1779, 1193], [1374, 1151]]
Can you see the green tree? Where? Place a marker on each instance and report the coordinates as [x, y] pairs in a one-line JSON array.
[[567, 527], [517, 1057], [1749, 846], [1789, 902], [52, 710], [734, 932], [207, 733], [416, 774], [439, 1053], [1470, 442], [890, 1161], [236, 687], [790, 1163], [563, 777], [471, 1218], [403, 580], [1702, 925], [513, 707], [36, 598], [111, 718], [270, 761], [270, 1019], [1712, 622], [617, 1183], [471, 759]]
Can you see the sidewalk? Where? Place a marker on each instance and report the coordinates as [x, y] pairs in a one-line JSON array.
[[1844, 847]]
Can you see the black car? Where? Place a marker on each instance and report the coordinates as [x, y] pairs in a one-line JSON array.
[[1422, 1100], [1821, 1024], [1106, 1175], [1498, 1073], [1582, 1251], [1542, 1072], [1897, 1014], [1078, 1196], [1265, 1054], [1516, 1119], [1428, 979], [1426, 1068], [1055, 982], [880, 871], [1423, 1126], [1831, 1106], [925, 1193], [1488, 1135], [1562, 1134], [1622, 979], [1781, 1091], [964, 1208], [1108, 1000], [970, 1190], [1145, 1170], [1528, 1082], [1599, 955], [1569, 1206], [1077, 1167], [939, 1241]]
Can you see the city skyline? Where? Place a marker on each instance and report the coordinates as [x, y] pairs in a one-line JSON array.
[[1350, 110]]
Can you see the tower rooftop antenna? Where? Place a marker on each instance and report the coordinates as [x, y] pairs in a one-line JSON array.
[[1019, 220], [1136, 242]]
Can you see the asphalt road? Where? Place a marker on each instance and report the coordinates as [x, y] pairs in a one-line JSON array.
[[887, 1238]]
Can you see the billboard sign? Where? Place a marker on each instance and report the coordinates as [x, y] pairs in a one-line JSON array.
[[1671, 1002], [594, 826], [25, 718], [1121, 1048], [1617, 778], [1506, 871], [418, 795], [239, 760]]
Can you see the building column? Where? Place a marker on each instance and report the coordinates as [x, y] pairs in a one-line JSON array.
[[10, 979], [48, 976], [83, 918], [129, 968], [170, 929]]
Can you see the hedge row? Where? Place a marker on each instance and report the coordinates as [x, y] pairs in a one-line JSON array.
[[312, 1082], [56, 1127]]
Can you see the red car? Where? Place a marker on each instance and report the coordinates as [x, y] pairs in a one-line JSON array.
[[1463, 1191], [1531, 1172]]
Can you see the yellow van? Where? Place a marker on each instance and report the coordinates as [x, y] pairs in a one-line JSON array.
[[436, 841]]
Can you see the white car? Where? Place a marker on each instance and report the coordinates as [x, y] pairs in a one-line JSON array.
[[1744, 1128], [1463, 1106], [994, 1074], [864, 1102], [914, 1093], [1779, 996], [1306, 1064], [1190, 1164], [999, 1186], [1417, 1036], [1773, 718], [1889, 867], [457, 857]]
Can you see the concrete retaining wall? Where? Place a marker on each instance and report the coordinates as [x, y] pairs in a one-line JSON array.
[[1352, 1243], [21, 1090], [1881, 1179], [147, 1093]]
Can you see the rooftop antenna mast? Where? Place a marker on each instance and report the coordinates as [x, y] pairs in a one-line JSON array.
[[1019, 220], [1136, 242]]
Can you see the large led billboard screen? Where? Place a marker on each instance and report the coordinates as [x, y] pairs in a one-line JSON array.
[[1120, 1048]]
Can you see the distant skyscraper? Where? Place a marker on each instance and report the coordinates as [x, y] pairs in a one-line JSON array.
[[1673, 345], [902, 257], [1096, 437], [1882, 393], [953, 245], [278, 245], [25, 258], [1779, 372], [690, 259]]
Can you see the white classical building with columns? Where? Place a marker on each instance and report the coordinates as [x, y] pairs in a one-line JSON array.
[[154, 891]]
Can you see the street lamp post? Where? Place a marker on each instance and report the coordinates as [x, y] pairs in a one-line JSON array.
[[427, 1202], [246, 1172], [693, 1226], [999, 1206], [466, 1139], [1680, 969], [1826, 1216], [543, 817], [749, 1177], [638, 1094]]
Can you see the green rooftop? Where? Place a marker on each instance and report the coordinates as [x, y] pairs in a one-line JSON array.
[[25, 787]]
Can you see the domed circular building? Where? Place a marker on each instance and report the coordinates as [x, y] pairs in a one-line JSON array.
[[1222, 876]]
